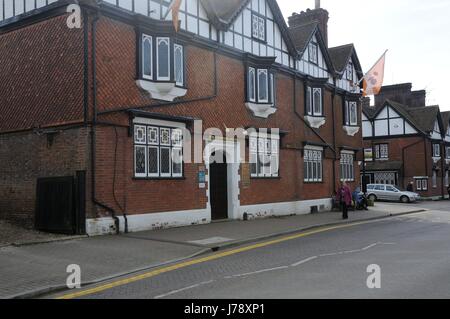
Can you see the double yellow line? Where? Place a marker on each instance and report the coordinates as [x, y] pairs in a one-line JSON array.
[[216, 256]]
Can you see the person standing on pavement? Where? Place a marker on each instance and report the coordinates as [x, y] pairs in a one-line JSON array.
[[345, 195], [410, 187]]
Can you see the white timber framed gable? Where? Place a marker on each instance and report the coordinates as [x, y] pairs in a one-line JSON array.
[[350, 78], [437, 131], [313, 61], [256, 31], [389, 122]]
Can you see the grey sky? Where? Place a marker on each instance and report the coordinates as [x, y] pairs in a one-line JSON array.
[[416, 32]]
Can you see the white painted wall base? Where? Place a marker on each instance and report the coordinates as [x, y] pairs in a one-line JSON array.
[[136, 223], [285, 209]]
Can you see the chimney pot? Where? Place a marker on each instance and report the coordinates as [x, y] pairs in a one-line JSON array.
[[317, 4]]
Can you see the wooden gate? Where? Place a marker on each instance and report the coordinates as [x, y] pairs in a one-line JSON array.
[[60, 204]]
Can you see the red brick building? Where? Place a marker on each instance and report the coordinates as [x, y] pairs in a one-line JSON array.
[[407, 140], [98, 117]]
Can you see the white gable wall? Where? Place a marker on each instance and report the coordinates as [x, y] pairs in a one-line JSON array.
[[349, 86], [319, 70], [390, 123]]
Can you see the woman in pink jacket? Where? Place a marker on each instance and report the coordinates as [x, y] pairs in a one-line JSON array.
[[345, 196]]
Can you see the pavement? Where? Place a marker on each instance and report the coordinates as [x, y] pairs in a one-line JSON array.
[[29, 271]]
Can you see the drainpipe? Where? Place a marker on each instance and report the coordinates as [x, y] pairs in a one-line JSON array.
[[93, 131], [333, 96], [442, 169]]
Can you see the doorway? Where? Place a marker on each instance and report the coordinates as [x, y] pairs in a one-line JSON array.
[[218, 188]]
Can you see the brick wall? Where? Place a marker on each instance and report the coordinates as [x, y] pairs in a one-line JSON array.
[[27, 156]]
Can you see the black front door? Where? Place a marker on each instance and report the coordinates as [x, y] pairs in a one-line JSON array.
[[218, 190]]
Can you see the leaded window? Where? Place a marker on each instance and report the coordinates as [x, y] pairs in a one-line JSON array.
[[258, 27], [314, 100], [264, 157], [351, 113], [313, 53], [260, 86], [350, 71], [347, 167], [158, 151], [313, 166], [179, 64], [157, 62], [382, 151]]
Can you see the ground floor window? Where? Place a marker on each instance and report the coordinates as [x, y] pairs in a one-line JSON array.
[[347, 167], [313, 166], [158, 151], [264, 156], [422, 184]]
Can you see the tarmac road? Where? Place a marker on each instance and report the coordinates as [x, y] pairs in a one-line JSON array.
[[413, 253]]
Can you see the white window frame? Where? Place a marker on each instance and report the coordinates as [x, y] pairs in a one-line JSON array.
[[382, 151], [313, 51], [175, 143], [309, 101], [145, 38], [351, 108], [264, 149], [347, 166], [181, 49], [314, 102], [251, 92], [266, 84], [436, 150], [158, 41], [313, 158], [349, 71]]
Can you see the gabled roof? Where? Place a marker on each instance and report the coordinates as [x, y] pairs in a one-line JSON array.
[[302, 36], [223, 13], [426, 117], [341, 55], [445, 119], [422, 118]]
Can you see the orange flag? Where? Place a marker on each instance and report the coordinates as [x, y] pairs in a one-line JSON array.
[[373, 80], [175, 7]]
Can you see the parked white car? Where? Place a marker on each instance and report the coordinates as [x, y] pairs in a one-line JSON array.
[[390, 193]]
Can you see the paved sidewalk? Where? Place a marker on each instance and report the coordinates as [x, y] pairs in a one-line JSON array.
[[28, 271]]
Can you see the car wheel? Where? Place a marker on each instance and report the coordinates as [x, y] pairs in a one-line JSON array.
[[405, 199], [373, 198]]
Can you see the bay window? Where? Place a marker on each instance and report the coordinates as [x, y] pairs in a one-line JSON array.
[[260, 86], [162, 60], [350, 113], [314, 101]]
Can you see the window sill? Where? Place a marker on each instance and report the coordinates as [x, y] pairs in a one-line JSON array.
[[261, 110], [315, 121], [351, 130], [159, 178], [265, 178], [165, 91], [436, 159]]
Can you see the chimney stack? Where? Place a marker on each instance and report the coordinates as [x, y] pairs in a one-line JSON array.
[[318, 15], [317, 4]]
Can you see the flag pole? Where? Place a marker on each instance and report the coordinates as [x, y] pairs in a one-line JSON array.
[[373, 66]]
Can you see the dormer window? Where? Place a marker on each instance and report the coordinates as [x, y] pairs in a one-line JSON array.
[[258, 27], [313, 53], [162, 68]]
